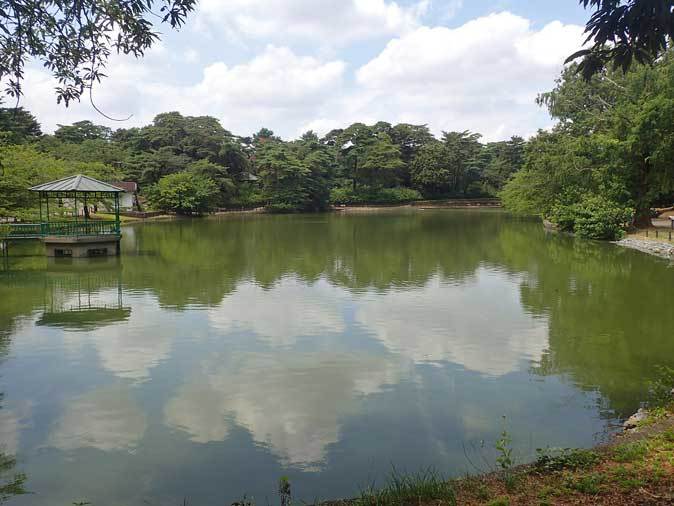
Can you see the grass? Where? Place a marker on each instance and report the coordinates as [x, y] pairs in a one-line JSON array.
[[553, 459], [630, 452], [400, 489], [637, 469], [500, 501], [589, 484]]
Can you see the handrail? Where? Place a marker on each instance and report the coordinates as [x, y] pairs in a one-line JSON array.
[[64, 228]]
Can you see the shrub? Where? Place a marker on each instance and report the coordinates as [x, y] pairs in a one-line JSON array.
[[343, 196], [397, 195], [281, 207], [564, 217], [600, 218], [346, 196], [183, 193], [248, 196], [592, 217], [552, 459]]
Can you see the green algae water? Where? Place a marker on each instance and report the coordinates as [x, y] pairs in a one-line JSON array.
[[217, 355]]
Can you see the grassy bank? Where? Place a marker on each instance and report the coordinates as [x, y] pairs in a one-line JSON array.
[[637, 467]]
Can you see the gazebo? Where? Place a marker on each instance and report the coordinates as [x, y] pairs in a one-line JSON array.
[[75, 234]]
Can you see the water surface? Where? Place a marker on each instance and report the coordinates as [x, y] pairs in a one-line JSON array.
[[217, 355]]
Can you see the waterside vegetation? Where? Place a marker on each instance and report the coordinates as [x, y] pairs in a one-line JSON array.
[[608, 161]]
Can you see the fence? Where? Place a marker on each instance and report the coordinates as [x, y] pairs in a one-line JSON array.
[[141, 214], [658, 233], [458, 203], [64, 228]]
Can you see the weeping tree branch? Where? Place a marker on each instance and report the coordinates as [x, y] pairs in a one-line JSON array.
[[74, 39]]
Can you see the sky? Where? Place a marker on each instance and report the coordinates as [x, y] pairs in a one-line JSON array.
[[298, 65]]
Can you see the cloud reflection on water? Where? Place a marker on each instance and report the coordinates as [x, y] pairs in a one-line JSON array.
[[106, 418], [294, 400]]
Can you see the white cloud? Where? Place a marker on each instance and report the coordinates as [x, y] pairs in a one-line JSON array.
[[277, 87], [332, 23], [276, 78], [482, 76]]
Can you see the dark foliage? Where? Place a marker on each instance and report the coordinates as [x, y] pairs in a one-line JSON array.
[[623, 32]]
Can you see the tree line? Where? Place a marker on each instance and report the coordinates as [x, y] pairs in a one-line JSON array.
[[192, 164]]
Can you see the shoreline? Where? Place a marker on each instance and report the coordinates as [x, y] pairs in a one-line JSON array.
[[650, 247], [636, 466], [419, 205], [423, 204]]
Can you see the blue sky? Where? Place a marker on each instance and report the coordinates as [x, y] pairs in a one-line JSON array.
[[294, 65]]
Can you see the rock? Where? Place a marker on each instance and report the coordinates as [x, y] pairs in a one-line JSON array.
[[652, 247], [549, 225], [633, 421]]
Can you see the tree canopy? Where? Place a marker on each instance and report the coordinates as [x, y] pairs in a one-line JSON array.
[[18, 126], [81, 131]]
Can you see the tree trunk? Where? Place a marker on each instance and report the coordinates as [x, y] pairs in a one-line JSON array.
[[642, 215], [642, 218]]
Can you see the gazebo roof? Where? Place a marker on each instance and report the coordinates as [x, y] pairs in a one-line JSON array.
[[77, 183]]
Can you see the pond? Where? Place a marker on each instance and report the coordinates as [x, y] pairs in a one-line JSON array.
[[217, 355]]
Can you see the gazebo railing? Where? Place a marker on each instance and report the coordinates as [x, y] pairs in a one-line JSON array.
[[25, 230], [79, 228], [64, 228]]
